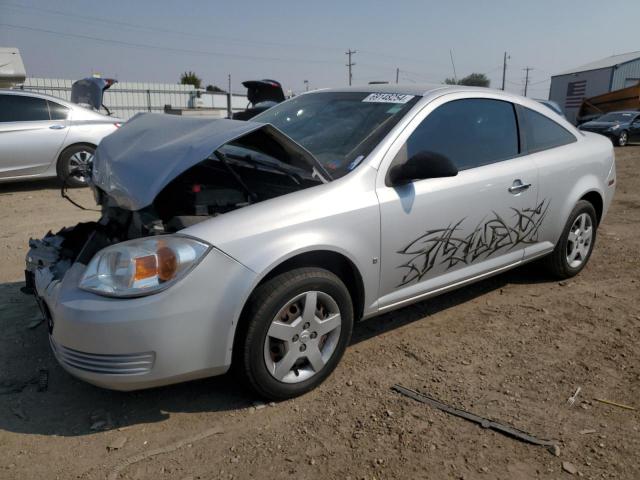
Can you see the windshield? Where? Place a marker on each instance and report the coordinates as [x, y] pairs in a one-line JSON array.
[[339, 128], [616, 117]]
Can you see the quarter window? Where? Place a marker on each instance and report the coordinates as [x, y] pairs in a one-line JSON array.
[[471, 132], [57, 111], [543, 133], [20, 108]]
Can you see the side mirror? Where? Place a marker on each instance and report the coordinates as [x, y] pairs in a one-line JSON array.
[[420, 166]]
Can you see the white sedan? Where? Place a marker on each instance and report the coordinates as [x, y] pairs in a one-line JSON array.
[[44, 136]]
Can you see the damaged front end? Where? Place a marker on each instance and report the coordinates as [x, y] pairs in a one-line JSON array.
[[159, 174]]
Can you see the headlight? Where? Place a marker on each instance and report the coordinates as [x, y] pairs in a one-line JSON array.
[[142, 266], [615, 127]]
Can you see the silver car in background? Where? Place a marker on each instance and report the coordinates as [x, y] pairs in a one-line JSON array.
[[259, 243], [43, 136]]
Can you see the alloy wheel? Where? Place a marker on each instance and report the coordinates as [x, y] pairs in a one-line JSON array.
[[302, 337], [579, 240], [622, 139], [79, 165]]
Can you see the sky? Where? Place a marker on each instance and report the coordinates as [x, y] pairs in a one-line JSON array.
[[294, 41]]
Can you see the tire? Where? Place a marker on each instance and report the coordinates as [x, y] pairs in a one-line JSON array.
[[573, 252], [71, 163], [623, 139], [277, 307]]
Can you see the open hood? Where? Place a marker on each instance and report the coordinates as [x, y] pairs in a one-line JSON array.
[[135, 163], [264, 91], [90, 91]]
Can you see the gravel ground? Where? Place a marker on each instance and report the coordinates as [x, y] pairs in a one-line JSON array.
[[512, 348]]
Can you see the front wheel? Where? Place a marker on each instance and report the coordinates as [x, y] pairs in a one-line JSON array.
[[575, 245], [299, 324], [623, 138]]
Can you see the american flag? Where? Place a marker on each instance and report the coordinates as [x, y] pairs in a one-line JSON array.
[[575, 93]]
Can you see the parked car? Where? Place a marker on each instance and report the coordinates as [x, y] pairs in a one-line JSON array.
[[259, 243], [262, 95], [43, 136], [620, 127]]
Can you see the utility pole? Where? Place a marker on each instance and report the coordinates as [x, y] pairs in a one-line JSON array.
[[306, 85], [350, 64], [229, 110], [504, 68], [526, 79], [455, 77], [397, 75]]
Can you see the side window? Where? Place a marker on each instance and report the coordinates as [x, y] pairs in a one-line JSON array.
[[471, 132], [543, 133], [57, 111], [19, 108]]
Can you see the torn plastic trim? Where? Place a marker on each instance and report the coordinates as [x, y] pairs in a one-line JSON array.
[[135, 163]]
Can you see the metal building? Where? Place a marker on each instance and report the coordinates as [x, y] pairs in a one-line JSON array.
[[569, 88]]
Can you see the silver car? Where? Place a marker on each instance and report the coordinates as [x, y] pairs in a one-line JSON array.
[[43, 136], [258, 244]]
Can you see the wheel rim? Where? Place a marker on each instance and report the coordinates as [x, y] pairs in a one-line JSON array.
[[579, 240], [622, 141], [302, 337], [79, 164]]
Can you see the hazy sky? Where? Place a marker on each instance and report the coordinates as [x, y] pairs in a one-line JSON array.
[[293, 41]]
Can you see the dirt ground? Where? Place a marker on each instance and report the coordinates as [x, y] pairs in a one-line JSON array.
[[513, 348]]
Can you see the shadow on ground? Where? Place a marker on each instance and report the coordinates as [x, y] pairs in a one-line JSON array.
[[30, 185], [70, 407]]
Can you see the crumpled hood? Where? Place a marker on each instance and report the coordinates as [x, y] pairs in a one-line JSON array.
[[135, 163]]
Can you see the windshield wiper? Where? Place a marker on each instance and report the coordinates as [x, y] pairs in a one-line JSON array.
[[288, 171], [223, 158]]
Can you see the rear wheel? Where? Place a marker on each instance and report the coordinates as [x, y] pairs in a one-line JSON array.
[[299, 325], [574, 248], [623, 138], [74, 165]]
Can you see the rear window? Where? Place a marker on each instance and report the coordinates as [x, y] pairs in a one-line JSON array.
[[543, 133], [20, 108]]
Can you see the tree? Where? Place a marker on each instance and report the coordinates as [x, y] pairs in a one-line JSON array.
[[190, 78], [472, 80], [214, 89]]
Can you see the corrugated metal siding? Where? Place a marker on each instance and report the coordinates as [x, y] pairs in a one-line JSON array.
[[628, 71], [128, 98]]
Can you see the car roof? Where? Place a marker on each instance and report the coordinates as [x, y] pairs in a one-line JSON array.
[[424, 89], [28, 93]]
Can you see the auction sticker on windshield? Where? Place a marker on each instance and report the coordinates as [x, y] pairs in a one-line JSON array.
[[387, 98]]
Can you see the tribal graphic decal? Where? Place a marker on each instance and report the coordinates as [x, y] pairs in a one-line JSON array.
[[442, 246]]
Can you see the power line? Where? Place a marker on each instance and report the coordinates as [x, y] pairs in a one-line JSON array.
[[240, 41], [137, 26], [164, 49]]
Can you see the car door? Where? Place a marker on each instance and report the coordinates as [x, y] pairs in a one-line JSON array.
[[439, 232], [634, 130], [29, 139]]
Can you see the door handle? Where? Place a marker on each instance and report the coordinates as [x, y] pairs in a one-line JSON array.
[[518, 187], [57, 127]]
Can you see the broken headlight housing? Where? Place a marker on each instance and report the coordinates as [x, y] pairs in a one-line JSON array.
[[142, 266]]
